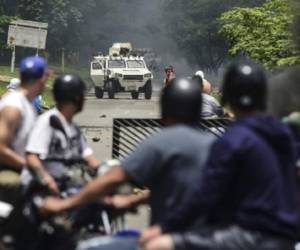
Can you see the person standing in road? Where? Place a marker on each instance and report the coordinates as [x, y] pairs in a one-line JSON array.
[[211, 108], [170, 75]]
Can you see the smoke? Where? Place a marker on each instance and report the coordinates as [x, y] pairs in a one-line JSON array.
[[141, 22]]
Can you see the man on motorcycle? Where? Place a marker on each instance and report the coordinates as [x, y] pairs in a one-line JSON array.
[[17, 117], [56, 143], [166, 163], [247, 193]]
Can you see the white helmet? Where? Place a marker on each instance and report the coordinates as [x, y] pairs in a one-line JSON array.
[[13, 84], [200, 73]]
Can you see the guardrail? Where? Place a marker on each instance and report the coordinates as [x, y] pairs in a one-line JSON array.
[[128, 133]]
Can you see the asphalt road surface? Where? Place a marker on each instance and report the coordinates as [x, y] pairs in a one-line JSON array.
[[96, 121]]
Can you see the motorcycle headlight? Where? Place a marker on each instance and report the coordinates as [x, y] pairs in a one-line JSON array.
[[148, 75]]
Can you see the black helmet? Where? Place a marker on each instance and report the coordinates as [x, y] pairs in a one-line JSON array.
[[69, 88], [245, 87], [181, 100]]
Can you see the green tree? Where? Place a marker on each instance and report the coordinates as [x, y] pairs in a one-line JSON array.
[[296, 27], [196, 29], [4, 20], [63, 17], [262, 33]]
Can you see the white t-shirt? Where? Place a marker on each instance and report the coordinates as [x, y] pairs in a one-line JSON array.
[[53, 146], [18, 100]]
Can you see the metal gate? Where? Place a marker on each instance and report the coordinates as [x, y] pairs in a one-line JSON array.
[[128, 133]]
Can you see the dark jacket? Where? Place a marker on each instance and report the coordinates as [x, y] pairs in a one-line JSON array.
[[249, 180]]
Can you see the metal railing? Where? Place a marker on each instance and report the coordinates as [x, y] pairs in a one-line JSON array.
[[128, 133]]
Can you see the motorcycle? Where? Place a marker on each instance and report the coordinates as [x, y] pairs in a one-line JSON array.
[[22, 226]]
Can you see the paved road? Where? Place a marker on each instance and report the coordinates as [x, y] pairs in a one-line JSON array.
[[96, 121], [97, 117]]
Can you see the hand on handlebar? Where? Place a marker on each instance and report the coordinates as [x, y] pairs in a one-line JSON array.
[[52, 206]]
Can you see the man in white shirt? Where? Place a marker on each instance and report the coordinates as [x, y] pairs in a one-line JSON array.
[[211, 108], [17, 117], [56, 143]]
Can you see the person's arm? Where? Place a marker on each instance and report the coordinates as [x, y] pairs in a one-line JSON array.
[[88, 155], [34, 162], [10, 118], [91, 192], [141, 167], [209, 189], [92, 162], [129, 201]]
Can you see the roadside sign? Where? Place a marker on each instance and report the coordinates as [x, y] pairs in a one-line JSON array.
[[28, 34], [30, 24], [25, 36]]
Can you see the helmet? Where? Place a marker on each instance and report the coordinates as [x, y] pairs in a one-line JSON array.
[[32, 68], [245, 87], [69, 88], [181, 100]]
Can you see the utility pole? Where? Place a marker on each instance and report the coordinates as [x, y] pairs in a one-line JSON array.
[[13, 59]]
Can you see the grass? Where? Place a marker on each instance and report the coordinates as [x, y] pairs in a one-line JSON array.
[[6, 75], [2, 87], [6, 71]]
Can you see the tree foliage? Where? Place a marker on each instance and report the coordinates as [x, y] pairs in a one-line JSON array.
[[4, 20], [187, 29], [63, 17], [295, 4], [262, 33], [196, 29]]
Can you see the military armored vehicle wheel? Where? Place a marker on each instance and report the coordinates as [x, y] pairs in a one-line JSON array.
[[148, 90], [111, 90], [99, 92], [135, 94]]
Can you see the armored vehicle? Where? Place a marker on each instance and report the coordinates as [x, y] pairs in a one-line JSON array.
[[121, 72]]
